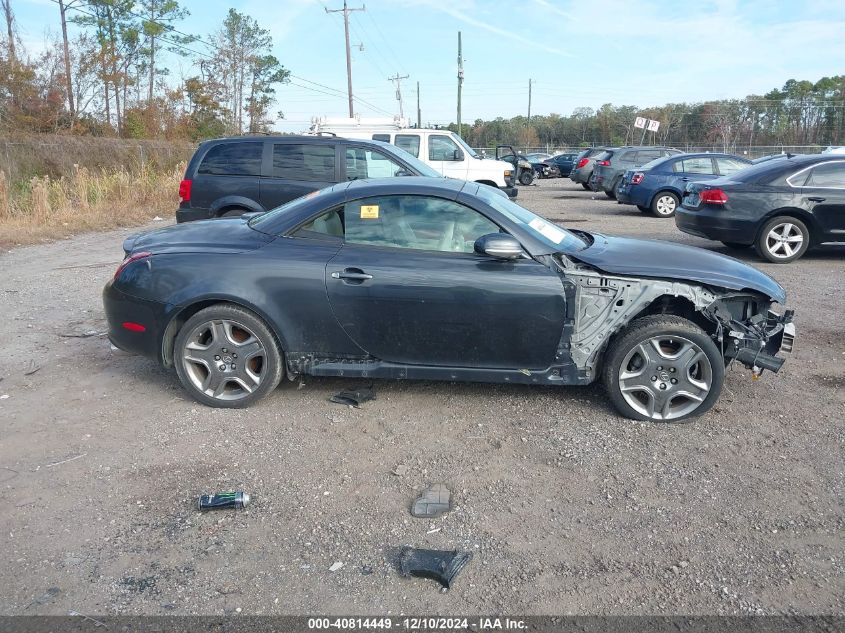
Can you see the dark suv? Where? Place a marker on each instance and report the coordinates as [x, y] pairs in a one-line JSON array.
[[232, 176], [612, 164]]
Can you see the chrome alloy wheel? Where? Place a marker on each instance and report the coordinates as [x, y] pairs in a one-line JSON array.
[[665, 377], [224, 359], [784, 240]]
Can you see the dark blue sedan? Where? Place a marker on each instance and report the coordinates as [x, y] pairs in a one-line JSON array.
[[657, 187], [423, 278]]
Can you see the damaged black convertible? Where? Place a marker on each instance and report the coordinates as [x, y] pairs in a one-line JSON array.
[[422, 278]]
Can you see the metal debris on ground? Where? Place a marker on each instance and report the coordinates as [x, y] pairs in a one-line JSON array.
[[434, 501], [223, 500], [438, 565], [44, 598], [355, 396]]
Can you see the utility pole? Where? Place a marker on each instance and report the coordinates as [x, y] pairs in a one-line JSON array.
[[419, 112], [398, 80], [346, 11], [529, 101], [460, 80]]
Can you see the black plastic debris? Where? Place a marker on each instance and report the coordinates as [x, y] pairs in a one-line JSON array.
[[434, 501], [355, 396], [438, 565]]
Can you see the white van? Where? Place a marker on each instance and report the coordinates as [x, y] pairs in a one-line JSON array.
[[442, 150]]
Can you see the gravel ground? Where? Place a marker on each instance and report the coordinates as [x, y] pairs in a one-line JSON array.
[[567, 507]]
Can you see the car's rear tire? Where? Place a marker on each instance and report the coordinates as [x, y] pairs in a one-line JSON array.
[[612, 193], [736, 245], [236, 340], [664, 204], [234, 212], [586, 186], [783, 239], [663, 368], [644, 209]]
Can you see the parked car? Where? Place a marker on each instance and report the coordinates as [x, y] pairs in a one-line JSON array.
[[525, 172], [439, 279], [657, 187], [564, 163], [611, 164], [537, 157], [583, 168], [444, 151], [782, 207], [538, 161], [232, 176]]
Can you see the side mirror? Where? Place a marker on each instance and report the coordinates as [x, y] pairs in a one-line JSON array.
[[458, 155], [498, 245], [402, 172]]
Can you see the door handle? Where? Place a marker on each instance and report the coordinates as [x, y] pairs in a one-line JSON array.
[[353, 274], [815, 199]]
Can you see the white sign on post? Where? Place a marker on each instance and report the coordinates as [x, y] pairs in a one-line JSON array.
[[653, 125], [640, 122]]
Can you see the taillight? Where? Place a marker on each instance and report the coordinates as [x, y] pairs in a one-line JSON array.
[[637, 178], [129, 260], [185, 190], [713, 196], [603, 163], [582, 162]]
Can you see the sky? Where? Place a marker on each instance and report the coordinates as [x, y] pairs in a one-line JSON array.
[[577, 53]]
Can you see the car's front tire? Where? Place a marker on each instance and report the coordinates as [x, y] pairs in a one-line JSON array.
[[783, 239], [226, 356], [663, 368], [526, 177]]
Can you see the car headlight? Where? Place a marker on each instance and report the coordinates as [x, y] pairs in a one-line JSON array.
[[508, 173], [525, 164]]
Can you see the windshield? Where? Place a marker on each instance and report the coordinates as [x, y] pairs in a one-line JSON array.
[[652, 164], [413, 161], [463, 144], [550, 234]]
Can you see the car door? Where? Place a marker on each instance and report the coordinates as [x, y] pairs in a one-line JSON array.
[[408, 288], [445, 156], [693, 169], [823, 194], [293, 169]]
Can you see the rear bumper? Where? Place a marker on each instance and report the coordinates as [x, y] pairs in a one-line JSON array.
[[631, 194], [715, 225], [189, 215], [121, 309], [580, 176]]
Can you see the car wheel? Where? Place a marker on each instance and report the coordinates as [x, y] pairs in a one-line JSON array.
[[526, 177], [586, 186], [225, 356], [612, 193], [664, 204], [783, 240], [233, 213], [644, 209], [663, 368], [736, 245]]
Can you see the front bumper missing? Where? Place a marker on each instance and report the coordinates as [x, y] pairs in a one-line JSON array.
[[758, 345]]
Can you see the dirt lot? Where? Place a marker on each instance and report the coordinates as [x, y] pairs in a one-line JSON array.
[[567, 507]]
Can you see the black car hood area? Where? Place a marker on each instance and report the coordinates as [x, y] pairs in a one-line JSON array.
[[665, 260], [225, 235]]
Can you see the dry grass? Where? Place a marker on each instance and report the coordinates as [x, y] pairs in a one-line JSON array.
[[45, 208]]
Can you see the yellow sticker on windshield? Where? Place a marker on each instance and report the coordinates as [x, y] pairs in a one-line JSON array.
[[369, 212]]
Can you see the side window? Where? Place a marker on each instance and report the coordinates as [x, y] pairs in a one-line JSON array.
[[367, 163], [233, 159], [415, 222], [644, 157], [442, 148], [381, 137], [328, 224], [698, 165], [409, 142], [678, 167], [827, 175], [729, 166], [295, 161], [630, 158]]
